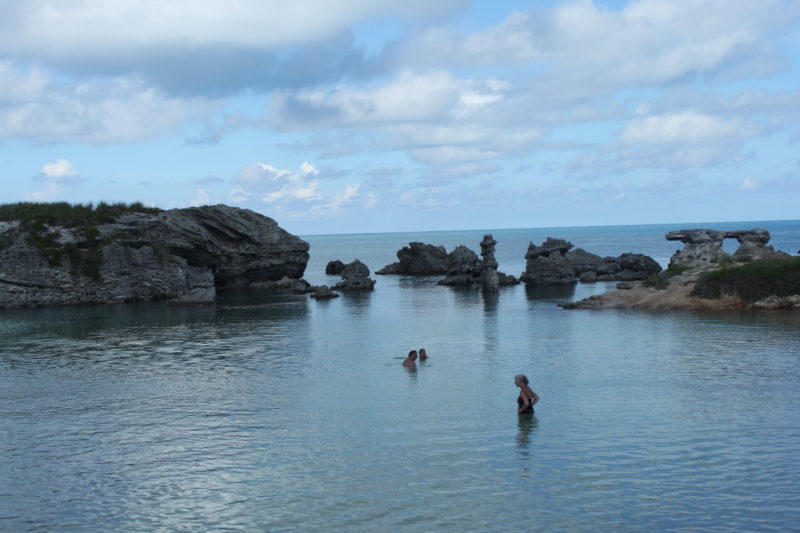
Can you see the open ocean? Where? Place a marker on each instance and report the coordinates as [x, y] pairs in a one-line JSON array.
[[276, 412]]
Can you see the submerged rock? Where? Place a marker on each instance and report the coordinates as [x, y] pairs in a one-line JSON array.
[[323, 292]]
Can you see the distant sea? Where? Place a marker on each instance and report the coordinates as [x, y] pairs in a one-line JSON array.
[[275, 412]]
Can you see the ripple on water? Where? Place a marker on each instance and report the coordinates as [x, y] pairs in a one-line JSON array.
[[298, 416]]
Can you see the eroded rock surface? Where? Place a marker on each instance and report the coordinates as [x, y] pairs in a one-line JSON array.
[[355, 277], [183, 254], [548, 264], [469, 271], [703, 247]]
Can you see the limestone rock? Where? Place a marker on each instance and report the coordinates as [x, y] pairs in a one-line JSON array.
[[355, 278], [489, 279], [548, 265], [419, 259], [198, 295], [334, 267], [469, 271], [173, 254], [584, 262], [703, 247], [323, 292]]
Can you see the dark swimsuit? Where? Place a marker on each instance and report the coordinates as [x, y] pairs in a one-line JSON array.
[[528, 411]]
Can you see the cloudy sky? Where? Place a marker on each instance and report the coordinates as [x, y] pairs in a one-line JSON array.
[[343, 116]]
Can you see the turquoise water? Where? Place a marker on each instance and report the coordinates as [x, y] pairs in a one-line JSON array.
[[274, 412]]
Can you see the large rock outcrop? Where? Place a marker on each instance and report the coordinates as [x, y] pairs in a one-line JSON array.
[[420, 259], [179, 254], [703, 247], [554, 263], [548, 264]]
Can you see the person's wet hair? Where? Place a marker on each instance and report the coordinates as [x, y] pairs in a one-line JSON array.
[[522, 377]]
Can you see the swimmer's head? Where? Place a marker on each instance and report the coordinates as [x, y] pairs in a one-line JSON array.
[[521, 378], [412, 353]]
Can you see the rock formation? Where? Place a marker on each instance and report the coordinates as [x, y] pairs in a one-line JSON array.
[[355, 277], [590, 267], [632, 267], [676, 287], [553, 264], [323, 292], [420, 259], [469, 271], [548, 264], [334, 267], [489, 279], [180, 254], [703, 247]]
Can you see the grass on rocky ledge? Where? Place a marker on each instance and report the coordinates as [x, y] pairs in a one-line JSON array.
[[39, 221], [753, 281], [69, 215]]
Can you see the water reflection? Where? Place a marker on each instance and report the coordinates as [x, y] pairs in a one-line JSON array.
[[490, 301], [549, 292], [490, 340], [525, 426], [357, 301]]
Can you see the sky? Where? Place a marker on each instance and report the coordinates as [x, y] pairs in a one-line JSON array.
[[353, 116]]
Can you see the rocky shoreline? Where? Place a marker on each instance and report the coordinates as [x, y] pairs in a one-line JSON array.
[[702, 254], [186, 255]]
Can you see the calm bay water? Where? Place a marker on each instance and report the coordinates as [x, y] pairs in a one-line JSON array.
[[274, 412]]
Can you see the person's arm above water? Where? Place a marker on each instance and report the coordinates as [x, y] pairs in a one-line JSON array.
[[534, 399]]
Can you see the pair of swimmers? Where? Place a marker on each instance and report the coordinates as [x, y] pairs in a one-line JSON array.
[[411, 360]]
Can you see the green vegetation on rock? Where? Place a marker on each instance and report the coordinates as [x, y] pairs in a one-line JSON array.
[[69, 215], [660, 281], [753, 281], [43, 222]]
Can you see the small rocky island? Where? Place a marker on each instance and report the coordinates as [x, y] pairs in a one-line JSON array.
[[702, 276], [461, 267], [553, 263], [57, 254]]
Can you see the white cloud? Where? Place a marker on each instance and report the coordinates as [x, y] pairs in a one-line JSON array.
[[60, 169], [64, 31], [749, 184], [95, 112], [296, 193], [647, 41], [683, 127]]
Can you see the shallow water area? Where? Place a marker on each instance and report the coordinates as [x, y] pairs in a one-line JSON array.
[[274, 412]]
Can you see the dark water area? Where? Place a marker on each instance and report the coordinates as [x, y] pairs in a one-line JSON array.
[[274, 412]]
